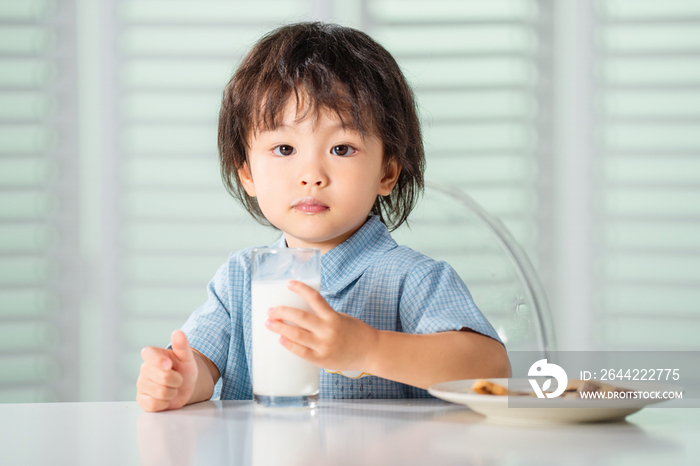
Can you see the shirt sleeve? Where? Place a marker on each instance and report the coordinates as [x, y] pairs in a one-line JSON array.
[[208, 329], [435, 299]]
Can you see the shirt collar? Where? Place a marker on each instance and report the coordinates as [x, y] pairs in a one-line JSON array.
[[344, 263]]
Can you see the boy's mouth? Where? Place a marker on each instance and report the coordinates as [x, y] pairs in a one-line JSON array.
[[309, 205]]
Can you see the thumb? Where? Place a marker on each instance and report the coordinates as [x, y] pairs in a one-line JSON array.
[[181, 347]]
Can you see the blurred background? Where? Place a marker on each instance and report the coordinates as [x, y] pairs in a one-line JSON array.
[[575, 122]]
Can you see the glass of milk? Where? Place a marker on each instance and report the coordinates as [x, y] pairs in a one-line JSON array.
[[281, 378]]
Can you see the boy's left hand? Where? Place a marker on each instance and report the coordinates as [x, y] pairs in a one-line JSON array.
[[328, 338]]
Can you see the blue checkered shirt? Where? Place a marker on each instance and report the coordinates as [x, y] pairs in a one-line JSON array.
[[369, 277]]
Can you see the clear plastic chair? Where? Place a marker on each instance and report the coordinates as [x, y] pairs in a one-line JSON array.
[[449, 225]]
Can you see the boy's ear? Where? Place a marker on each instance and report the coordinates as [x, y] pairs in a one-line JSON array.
[[391, 176], [246, 179]]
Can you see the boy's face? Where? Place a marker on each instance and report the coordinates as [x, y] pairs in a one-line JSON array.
[[314, 180]]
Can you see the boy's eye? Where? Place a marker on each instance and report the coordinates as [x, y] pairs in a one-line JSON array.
[[284, 150], [343, 149]]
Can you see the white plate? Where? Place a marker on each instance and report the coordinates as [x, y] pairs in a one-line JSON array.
[[545, 411]]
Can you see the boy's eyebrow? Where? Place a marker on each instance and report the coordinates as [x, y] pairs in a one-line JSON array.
[[283, 126]]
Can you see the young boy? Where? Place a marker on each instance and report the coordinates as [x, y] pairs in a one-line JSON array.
[[319, 137]]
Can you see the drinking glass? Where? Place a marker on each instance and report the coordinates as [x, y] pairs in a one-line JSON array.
[[281, 378]]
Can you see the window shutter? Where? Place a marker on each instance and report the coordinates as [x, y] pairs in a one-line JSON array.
[[647, 174], [38, 279]]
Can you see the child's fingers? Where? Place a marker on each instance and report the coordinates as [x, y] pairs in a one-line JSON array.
[[181, 347], [150, 404], [296, 334], [155, 390], [311, 296], [169, 378], [158, 357], [302, 351], [303, 319]]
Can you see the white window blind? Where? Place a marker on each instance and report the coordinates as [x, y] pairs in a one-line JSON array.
[[647, 122], [38, 273]]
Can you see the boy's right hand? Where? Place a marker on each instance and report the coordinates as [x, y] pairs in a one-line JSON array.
[[167, 378]]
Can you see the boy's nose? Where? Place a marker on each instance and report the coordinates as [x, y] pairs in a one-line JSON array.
[[314, 175], [307, 180]]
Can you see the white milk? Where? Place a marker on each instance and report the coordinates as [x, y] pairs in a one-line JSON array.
[[276, 370]]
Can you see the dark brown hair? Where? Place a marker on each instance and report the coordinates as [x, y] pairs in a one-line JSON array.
[[331, 68]]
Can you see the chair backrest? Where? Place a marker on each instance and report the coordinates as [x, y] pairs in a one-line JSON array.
[[449, 225]]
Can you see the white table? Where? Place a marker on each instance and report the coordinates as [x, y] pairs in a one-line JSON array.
[[363, 432]]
